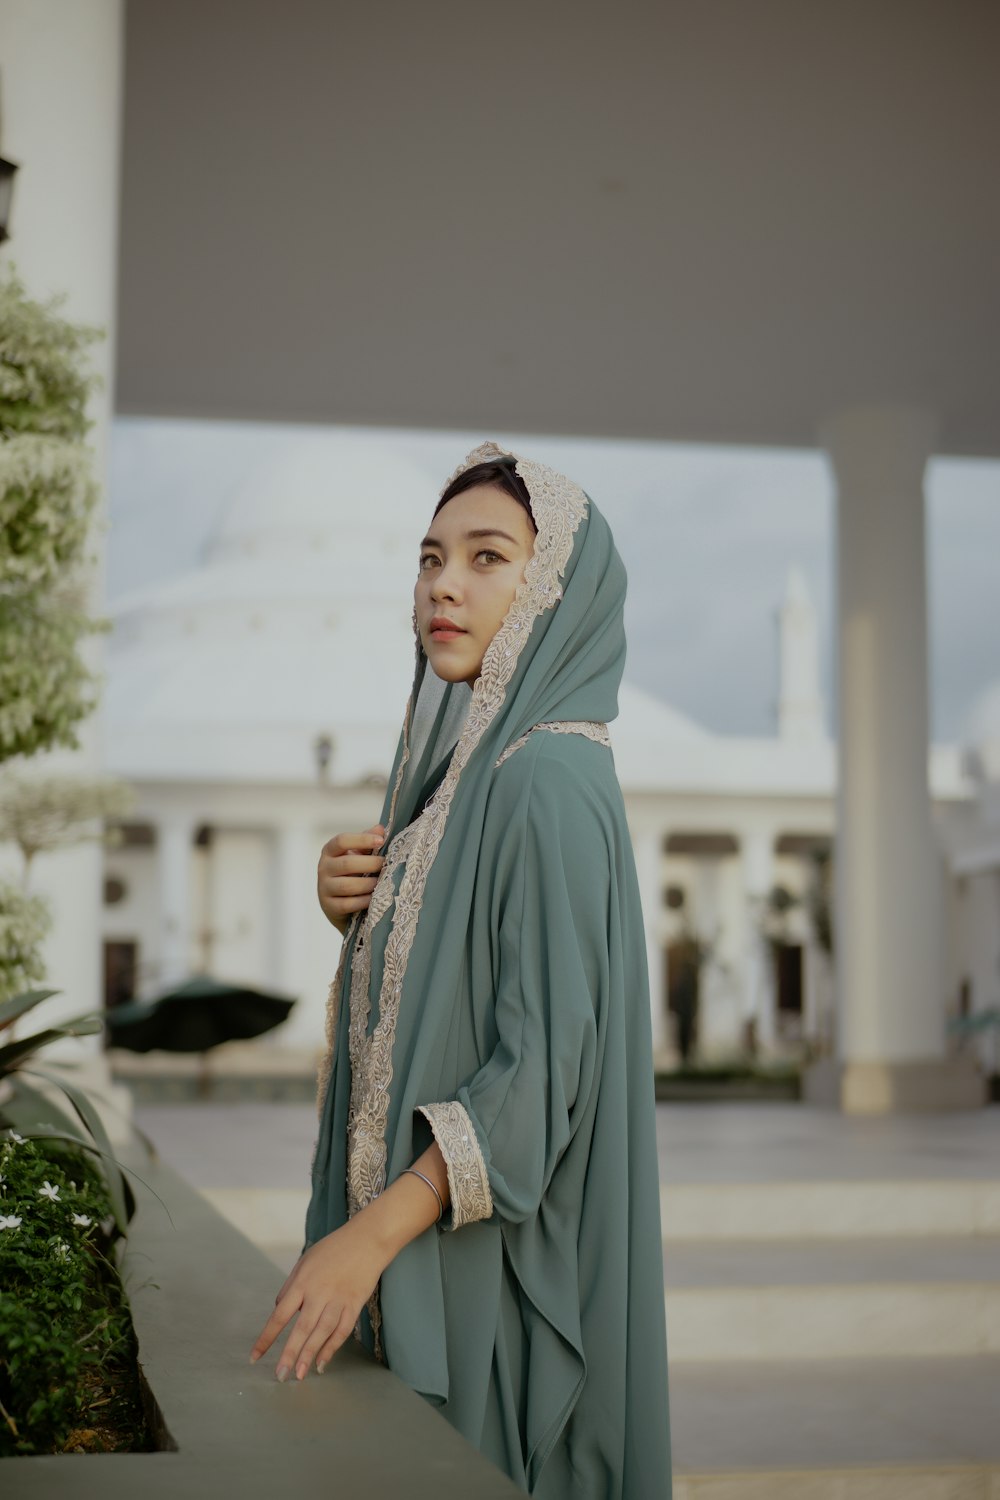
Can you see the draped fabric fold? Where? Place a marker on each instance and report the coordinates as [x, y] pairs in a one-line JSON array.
[[494, 997]]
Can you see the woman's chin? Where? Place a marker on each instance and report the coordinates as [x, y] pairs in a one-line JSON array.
[[452, 671]]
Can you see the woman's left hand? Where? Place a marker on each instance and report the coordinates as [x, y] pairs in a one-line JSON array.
[[328, 1286]]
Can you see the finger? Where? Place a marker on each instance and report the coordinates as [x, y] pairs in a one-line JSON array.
[[305, 1326], [289, 1279], [334, 883], [340, 1335], [348, 885], [350, 864], [275, 1323], [344, 905], [328, 1321], [343, 843]]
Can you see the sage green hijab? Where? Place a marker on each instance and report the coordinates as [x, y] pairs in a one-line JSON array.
[[494, 997]]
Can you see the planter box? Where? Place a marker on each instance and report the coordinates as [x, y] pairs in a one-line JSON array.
[[224, 1423]]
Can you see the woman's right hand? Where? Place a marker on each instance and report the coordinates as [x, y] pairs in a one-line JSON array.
[[346, 875]]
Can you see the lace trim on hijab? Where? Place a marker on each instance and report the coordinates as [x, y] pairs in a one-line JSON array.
[[558, 505], [332, 1015], [333, 997], [592, 728], [364, 1057], [468, 1180]]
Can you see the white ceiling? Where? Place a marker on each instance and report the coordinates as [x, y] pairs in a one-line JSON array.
[[691, 219]]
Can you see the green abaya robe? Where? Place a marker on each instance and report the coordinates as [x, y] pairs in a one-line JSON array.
[[494, 997]]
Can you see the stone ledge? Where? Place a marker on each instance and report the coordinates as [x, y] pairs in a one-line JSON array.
[[200, 1293]]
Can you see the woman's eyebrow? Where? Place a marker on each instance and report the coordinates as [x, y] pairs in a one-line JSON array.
[[432, 541], [491, 531]]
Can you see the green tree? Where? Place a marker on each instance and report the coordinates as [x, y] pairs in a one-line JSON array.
[[47, 500], [41, 813], [48, 497], [24, 922]]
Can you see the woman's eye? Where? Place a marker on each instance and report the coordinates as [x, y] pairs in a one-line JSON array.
[[428, 557], [494, 556]]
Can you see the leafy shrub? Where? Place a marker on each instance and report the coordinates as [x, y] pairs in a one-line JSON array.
[[67, 1347], [20, 1102], [48, 500], [24, 923]]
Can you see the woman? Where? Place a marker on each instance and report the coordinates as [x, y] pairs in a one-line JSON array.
[[489, 1068]]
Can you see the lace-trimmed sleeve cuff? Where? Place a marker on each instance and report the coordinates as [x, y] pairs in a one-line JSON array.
[[468, 1181]]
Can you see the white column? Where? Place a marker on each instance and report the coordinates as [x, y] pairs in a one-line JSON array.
[[175, 854], [647, 844], [889, 917], [757, 859], [61, 82], [296, 855], [800, 703]]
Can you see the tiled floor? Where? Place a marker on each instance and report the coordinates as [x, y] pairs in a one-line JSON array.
[[764, 1142], [270, 1144], [913, 1259], [814, 1413]]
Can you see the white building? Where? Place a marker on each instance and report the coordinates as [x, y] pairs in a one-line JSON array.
[[296, 626]]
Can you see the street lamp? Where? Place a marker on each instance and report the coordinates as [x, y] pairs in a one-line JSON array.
[[7, 170]]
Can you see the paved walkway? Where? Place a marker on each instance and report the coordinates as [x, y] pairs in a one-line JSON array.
[[269, 1145]]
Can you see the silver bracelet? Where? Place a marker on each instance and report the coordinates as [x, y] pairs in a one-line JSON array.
[[430, 1185]]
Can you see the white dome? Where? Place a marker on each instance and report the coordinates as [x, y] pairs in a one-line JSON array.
[[297, 622], [331, 493]]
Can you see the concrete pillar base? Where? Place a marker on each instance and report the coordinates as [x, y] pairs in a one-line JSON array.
[[870, 1088]]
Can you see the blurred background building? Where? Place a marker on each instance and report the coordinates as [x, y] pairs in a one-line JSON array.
[[769, 225], [255, 701]]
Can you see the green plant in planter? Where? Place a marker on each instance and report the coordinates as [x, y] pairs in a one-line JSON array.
[[67, 1347], [23, 1106]]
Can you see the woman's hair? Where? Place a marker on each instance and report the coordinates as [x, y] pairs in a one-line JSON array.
[[498, 472]]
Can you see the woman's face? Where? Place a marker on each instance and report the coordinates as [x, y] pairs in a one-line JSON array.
[[471, 562]]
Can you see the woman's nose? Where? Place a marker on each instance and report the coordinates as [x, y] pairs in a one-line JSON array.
[[445, 585]]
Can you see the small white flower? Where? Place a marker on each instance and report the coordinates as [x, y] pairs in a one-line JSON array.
[[9, 1221], [48, 1191], [61, 1250], [15, 1137], [81, 1219]]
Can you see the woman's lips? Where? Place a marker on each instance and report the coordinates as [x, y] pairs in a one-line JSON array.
[[446, 635]]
